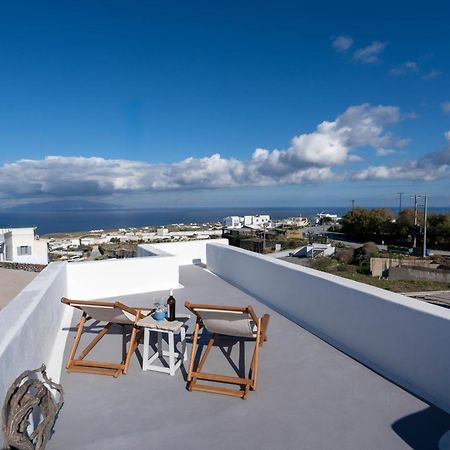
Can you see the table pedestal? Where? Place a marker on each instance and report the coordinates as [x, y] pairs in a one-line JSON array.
[[175, 359]]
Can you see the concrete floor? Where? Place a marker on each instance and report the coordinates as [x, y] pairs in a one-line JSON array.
[[12, 282], [309, 396]]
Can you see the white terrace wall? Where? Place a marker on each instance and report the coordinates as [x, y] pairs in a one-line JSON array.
[[111, 278], [191, 252], [403, 339], [30, 324]]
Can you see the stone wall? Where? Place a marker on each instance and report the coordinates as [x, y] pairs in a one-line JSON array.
[[22, 266], [379, 267], [418, 274]]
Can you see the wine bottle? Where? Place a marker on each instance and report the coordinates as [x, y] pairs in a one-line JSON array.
[[171, 307]]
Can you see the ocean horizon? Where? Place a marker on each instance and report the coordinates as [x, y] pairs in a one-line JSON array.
[[62, 221]]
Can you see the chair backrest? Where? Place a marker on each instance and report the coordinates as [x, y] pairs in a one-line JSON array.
[[229, 321], [104, 311], [108, 314]]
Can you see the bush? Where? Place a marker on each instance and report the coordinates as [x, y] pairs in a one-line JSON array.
[[364, 269], [345, 255], [363, 254], [323, 263]]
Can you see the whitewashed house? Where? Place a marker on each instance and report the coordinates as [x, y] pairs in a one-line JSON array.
[[247, 221], [23, 245], [232, 222]]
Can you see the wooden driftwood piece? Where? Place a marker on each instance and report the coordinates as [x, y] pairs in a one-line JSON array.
[[24, 395]]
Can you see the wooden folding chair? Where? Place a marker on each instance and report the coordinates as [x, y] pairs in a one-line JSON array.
[[227, 321], [112, 313]]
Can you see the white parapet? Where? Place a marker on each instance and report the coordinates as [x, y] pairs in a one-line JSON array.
[[191, 252], [30, 325], [403, 339], [110, 278]]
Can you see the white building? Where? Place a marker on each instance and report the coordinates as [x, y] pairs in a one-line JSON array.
[[314, 250], [232, 222], [249, 221], [294, 222], [23, 245], [162, 231], [334, 218]]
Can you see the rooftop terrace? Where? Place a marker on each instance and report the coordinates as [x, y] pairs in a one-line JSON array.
[[310, 393]]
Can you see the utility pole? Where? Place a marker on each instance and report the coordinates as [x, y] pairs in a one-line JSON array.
[[425, 206], [415, 221], [353, 205], [264, 237], [400, 202]]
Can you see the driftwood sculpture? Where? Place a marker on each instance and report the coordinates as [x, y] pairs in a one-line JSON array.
[[26, 394]]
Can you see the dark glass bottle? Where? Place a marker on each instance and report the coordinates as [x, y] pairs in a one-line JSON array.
[[171, 307]]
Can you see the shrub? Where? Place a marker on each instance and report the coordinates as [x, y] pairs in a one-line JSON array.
[[345, 255], [363, 254], [364, 269], [323, 263]]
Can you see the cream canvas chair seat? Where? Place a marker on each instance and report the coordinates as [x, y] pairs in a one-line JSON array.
[[233, 321], [111, 313]]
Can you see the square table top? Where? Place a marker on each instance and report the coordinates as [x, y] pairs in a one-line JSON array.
[[150, 322]]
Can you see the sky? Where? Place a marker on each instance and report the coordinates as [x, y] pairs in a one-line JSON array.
[[223, 103]]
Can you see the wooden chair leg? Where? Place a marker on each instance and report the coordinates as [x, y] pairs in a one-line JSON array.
[[246, 391], [193, 350], [131, 349], [77, 340], [264, 325], [255, 358], [205, 355]]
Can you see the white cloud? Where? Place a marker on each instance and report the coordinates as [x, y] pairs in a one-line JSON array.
[[355, 158], [410, 171], [431, 75], [310, 158], [430, 167], [401, 143], [404, 69], [391, 173], [342, 43], [370, 54], [446, 107], [331, 143], [384, 151]]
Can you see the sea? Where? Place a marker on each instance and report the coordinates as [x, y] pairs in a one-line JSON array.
[[64, 221]]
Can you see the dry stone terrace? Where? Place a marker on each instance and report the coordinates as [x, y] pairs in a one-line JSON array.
[[310, 395]]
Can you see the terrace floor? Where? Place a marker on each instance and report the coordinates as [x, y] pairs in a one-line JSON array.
[[310, 395], [12, 282]]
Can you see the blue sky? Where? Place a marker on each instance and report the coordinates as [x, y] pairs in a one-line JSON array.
[[129, 102]]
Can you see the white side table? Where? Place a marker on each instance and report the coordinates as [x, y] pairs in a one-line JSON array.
[[175, 359]]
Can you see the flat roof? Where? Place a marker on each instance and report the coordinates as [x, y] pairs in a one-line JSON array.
[[12, 282], [310, 395]]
